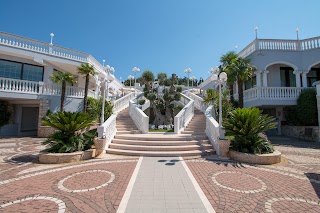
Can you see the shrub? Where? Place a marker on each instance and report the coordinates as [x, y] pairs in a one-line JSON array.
[[245, 125], [141, 102], [5, 113], [69, 137], [306, 109], [179, 89], [94, 108]]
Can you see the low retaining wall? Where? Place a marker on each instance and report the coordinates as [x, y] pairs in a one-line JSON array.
[[265, 159], [57, 158], [294, 131]]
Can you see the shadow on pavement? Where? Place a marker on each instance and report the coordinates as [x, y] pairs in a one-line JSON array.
[[316, 186], [293, 142]]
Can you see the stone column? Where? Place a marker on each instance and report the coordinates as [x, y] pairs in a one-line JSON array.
[[258, 78], [265, 78], [298, 82], [98, 86], [304, 79]]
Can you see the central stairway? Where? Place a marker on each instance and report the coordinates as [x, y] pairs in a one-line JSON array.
[[128, 141]]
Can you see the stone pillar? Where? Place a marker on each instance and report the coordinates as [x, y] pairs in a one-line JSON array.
[[258, 78], [265, 78], [44, 131], [298, 82], [318, 107], [279, 115], [304, 79]]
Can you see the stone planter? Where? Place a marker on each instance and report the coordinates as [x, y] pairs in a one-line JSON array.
[[224, 145], [100, 145], [57, 158], [265, 159]]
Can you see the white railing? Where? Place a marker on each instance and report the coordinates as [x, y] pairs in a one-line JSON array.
[[107, 131], [279, 44], [92, 94], [182, 119], [74, 91], [272, 93], [198, 102], [50, 89], [41, 47], [122, 102], [140, 119], [212, 129], [146, 105], [21, 86]]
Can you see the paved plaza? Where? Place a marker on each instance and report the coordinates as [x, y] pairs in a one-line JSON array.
[[163, 184]]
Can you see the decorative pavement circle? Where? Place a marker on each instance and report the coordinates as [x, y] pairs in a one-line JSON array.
[[85, 178], [225, 179], [292, 205], [33, 199]]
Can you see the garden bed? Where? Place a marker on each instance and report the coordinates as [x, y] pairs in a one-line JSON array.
[[265, 159], [57, 158]]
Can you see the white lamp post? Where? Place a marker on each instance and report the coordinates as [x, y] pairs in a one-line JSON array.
[[256, 31], [51, 35], [110, 78], [135, 70], [130, 77], [188, 71], [297, 31], [192, 80], [220, 77]]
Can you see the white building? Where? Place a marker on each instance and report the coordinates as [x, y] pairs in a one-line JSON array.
[[284, 68], [25, 68]]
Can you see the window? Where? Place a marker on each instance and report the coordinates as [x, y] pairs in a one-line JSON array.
[[17, 70], [9, 69], [32, 73], [313, 76], [288, 79]]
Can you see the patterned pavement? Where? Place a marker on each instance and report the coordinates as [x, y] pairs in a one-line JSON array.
[[99, 185]]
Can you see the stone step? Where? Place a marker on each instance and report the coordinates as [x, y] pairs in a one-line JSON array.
[[193, 132], [160, 143], [126, 128], [162, 137], [160, 148], [122, 132], [160, 153]]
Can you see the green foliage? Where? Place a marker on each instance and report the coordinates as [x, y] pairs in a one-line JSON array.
[[211, 97], [147, 76], [177, 96], [69, 137], [161, 77], [179, 89], [167, 82], [151, 96], [5, 113], [307, 112], [141, 102], [94, 108], [246, 126]]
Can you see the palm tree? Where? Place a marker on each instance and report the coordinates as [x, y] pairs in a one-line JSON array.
[[226, 61], [62, 78], [86, 70], [242, 72]]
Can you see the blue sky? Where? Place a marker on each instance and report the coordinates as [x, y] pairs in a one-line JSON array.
[[159, 35]]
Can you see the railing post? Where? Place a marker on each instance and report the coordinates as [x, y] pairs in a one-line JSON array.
[[40, 87]]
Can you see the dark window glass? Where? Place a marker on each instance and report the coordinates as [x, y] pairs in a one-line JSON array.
[[32, 73], [9, 69]]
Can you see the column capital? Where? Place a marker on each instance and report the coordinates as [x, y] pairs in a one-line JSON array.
[[258, 72], [266, 71], [297, 72]]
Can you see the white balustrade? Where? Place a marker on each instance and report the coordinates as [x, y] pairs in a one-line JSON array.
[[108, 130], [182, 119], [140, 119], [122, 102], [74, 91], [212, 128], [272, 93], [20, 86], [92, 94], [279, 44], [198, 102], [51, 89]]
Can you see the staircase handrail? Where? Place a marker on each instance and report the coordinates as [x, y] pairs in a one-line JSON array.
[[182, 119], [212, 128], [198, 102], [122, 102], [140, 119], [108, 130]]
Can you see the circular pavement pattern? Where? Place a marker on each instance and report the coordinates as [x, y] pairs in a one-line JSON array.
[[244, 183], [62, 184], [34, 201], [292, 205]]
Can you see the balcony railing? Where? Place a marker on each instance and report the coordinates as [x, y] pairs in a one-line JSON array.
[[272, 93], [32, 87], [277, 44]]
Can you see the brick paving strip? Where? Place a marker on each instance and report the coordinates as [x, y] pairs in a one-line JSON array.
[[163, 184]]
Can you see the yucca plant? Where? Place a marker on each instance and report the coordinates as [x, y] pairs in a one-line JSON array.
[[246, 125], [69, 137]]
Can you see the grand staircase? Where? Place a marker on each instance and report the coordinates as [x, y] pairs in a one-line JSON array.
[[129, 141]]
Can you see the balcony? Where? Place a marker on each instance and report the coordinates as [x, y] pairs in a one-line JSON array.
[[271, 96], [280, 45], [14, 86]]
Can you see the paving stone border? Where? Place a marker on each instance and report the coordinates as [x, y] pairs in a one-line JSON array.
[[263, 185], [60, 203], [268, 204], [63, 188]]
